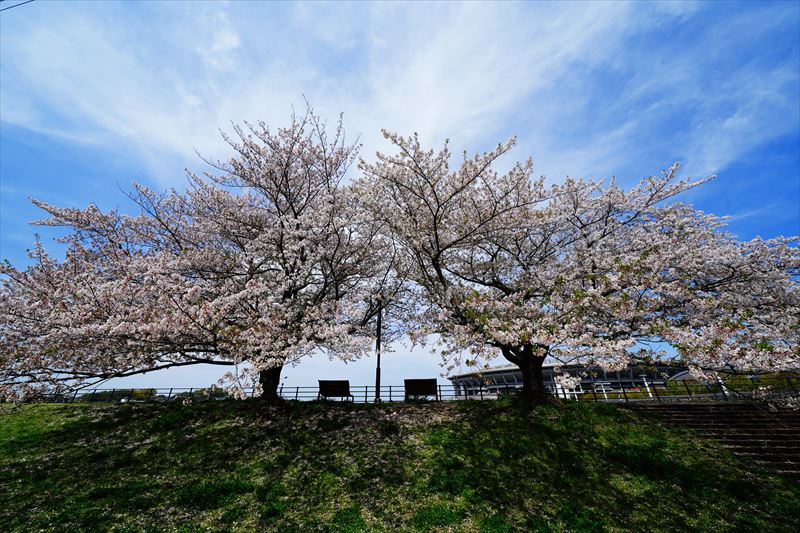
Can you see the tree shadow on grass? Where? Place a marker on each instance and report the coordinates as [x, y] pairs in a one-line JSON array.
[[340, 467]]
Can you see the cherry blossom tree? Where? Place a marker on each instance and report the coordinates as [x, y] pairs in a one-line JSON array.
[[580, 270], [274, 257], [251, 268]]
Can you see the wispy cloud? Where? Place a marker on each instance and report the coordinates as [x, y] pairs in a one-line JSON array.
[[750, 213], [220, 54], [580, 83]]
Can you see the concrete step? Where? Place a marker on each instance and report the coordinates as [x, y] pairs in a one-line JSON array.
[[741, 421], [717, 408], [773, 457], [766, 428], [771, 447], [748, 431], [724, 416], [735, 410], [745, 423], [742, 429], [732, 418], [748, 435], [726, 413], [753, 441], [732, 427]]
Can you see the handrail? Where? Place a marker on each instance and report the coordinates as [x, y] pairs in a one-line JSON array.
[[759, 405]]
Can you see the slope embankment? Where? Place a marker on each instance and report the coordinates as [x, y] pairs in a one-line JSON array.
[[451, 466]]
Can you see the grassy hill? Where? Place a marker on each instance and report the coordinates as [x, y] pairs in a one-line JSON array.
[[457, 466]]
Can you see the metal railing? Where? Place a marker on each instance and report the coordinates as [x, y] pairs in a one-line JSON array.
[[733, 388], [739, 388], [359, 393]]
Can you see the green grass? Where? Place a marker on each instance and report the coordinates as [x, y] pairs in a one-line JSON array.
[[457, 466]]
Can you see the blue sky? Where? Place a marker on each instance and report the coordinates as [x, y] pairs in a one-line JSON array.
[[96, 95]]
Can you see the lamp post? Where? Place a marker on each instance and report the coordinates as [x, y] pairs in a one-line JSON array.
[[378, 353]]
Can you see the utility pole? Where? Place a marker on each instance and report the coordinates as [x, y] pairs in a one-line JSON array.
[[378, 353]]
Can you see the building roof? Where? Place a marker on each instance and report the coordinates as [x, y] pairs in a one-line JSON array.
[[512, 367], [504, 368]]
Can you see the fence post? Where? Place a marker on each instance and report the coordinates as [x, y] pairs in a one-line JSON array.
[[687, 388], [439, 388], [170, 394], [296, 392], [480, 390], [625, 394], [647, 385], [789, 381], [390, 393], [722, 388]]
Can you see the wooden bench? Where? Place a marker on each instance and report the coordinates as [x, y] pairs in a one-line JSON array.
[[416, 388], [334, 389]]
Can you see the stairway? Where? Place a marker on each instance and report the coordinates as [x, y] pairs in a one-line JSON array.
[[748, 430]]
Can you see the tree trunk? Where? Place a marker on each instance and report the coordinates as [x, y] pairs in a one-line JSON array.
[[533, 388], [269, 380], [534, 391]]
